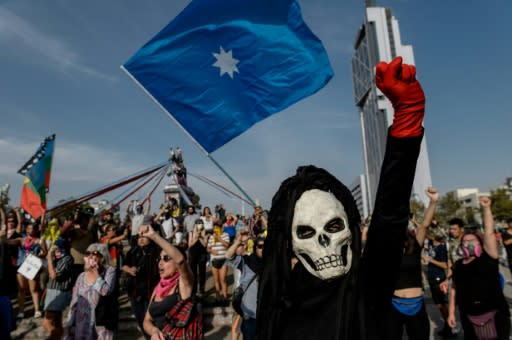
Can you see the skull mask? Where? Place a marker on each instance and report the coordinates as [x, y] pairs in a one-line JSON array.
[[321, 236]]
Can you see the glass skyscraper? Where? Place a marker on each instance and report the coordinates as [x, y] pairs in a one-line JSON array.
[[378, 39]]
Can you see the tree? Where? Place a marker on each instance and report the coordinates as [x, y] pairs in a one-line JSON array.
[[195, 199], [501, 204], [470, 216], [4, 196], [417, 208], [448, 208]]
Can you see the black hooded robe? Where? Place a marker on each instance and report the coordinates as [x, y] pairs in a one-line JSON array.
[[349, 307]]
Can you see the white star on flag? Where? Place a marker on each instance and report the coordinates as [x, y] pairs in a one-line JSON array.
[[225, 62]]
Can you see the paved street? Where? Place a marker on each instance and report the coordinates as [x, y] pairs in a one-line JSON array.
[[217, 319]]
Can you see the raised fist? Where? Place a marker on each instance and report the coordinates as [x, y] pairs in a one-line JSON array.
[[398, 82]]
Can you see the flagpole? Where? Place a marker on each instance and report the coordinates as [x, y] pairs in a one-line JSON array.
[[231, 179], [188, 134]]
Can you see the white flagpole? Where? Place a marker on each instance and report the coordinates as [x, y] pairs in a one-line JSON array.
[[188, 134]]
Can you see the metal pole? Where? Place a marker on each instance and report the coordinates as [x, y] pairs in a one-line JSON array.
[[188, 134], [231, 179]]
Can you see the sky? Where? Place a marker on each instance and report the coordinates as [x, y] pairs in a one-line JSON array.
[[60, 73]]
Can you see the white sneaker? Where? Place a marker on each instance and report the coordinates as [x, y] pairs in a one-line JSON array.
[[38, 314]]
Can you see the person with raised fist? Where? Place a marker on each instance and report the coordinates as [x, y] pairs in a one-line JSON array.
[[314, 281]]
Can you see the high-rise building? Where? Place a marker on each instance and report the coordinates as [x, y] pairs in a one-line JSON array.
[[358, 190], [378, 39]]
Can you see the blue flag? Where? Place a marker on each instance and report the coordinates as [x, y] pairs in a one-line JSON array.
[[223, 65]]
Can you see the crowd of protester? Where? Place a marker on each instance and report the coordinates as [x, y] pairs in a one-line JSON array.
[[160, 261], [88, 259]]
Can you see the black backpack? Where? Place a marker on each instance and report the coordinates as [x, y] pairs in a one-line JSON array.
[[238, 294]]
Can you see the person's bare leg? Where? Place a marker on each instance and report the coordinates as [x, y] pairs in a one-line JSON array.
[[34, 291], [216, 280], [48, 322], [22, 286], [223, 283], [235, 327]]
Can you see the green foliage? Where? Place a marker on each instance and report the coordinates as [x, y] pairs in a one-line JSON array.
[[4, 199], [470, 216], [448, 208], [501, 204], [195, 199], [418, 209]]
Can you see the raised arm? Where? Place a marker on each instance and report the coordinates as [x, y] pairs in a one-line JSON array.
[[421, 230], [239, 239], [186, 276], [386, 234], [161, 212], [18, 218], [105, 286], [489, 235], [119, 238]]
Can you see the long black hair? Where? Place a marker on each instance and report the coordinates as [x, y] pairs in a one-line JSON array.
[[275, 283]]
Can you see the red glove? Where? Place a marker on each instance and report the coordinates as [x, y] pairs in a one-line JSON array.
[[398, 82]]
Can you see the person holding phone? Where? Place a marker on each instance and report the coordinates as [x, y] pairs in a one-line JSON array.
[[218, 243], [98, 279]]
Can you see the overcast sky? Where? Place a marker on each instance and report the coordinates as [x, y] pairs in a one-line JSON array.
[[60, 74]]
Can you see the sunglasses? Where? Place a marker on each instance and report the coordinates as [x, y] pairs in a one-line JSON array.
[[93, 253], [165, 258], [260, 246]]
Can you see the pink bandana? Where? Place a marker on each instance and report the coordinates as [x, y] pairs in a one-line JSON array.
[[165, 285]]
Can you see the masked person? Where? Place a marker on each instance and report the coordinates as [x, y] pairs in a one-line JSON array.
[[476, 289], [314, 283]]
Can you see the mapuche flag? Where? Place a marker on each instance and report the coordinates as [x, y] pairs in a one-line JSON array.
[[36, 183]]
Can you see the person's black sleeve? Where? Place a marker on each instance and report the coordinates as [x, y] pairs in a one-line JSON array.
[[386, 234]]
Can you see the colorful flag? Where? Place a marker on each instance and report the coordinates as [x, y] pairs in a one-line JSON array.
[[36, 183], [223, 65]]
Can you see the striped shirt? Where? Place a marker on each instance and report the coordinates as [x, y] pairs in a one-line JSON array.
[[63, 279], [218, 247]]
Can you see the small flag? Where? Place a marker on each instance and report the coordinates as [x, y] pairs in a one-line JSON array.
[[36, 182], [223, 65]]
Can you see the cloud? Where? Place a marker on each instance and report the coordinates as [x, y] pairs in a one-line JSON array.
[[19, 31]]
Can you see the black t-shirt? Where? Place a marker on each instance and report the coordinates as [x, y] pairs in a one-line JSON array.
[[158, 310], [7, 272], [12, 250], [146, 261], [410, 269], [438, 253], [477, 285]]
